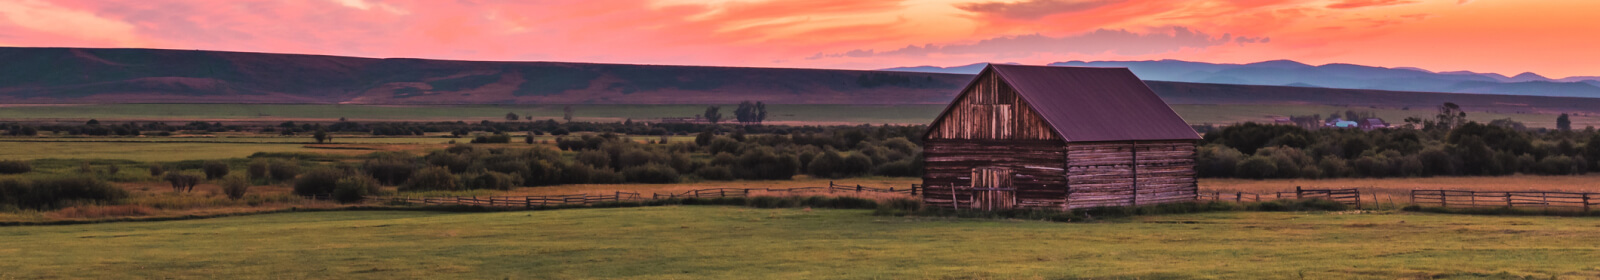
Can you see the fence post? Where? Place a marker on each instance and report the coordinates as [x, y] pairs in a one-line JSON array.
[[1297, 192], [1474, 195], [913, 189], [617, 197], [1508, 200], [722, 193], [858, 188], [1238, 197], [1586, 203]]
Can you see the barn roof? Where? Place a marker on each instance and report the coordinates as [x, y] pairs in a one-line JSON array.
[[1088, 104]]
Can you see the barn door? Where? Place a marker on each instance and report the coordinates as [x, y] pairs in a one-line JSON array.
[[992, 190]]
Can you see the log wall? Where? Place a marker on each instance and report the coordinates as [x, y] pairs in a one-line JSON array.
[[1036, 164], [991, 110], [1131, 173]]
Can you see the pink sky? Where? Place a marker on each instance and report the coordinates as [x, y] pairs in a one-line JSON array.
[[1556, 38]]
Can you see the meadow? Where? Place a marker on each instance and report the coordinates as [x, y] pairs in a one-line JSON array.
[[781, 113], [697, 242]]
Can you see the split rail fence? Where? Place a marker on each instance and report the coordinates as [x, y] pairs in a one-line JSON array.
[[961, 197], [1350, 197], [1467, 199], [621, 196]]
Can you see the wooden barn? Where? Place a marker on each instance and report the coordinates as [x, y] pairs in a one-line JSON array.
[[1058, 137]]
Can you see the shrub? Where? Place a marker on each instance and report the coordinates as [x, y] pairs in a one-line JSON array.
[[58, 192], [234, 186], [596, 159], [284, 170], [157, 170], [492, 180], [497, 138], [715, 172], [320, 181], [856, 164], [259, 169], [607, 176], [651, 174], [826, 165], [899, 168], [215, 169], [430, 179], [765, 164], [1257, 167], [351, 189], [182, 182], [457, 163], [389, 170]]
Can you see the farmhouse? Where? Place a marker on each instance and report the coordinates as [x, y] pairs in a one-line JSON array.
[[1058, 137]]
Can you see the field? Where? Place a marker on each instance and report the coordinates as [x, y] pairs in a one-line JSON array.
[[682, 242], [780, 113]]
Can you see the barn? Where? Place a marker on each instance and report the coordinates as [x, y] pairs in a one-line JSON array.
[[1059, 138]]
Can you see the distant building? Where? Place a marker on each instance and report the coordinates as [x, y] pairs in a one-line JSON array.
[[1371, 124]]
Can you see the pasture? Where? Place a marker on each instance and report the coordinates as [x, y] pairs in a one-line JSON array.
[[780, 113], [684, 242]]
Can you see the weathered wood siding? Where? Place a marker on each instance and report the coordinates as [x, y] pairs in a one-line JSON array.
[[1037, 166], [1130, 173], [992, 110]]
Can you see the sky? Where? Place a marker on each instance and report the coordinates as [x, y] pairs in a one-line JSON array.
[[1555, 38]]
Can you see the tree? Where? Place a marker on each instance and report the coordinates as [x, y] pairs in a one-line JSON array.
[[512, 116], [712, 115], [92, 122], [745, 114], [761, 112], [1563, 123], [321, 136], [568, 113], [1450, 115]]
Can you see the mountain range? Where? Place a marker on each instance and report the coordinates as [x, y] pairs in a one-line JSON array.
[[1348, 76]]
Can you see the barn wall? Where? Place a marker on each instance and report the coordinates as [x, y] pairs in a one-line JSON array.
[[1102, 173], [974, 115], [1037, 165]]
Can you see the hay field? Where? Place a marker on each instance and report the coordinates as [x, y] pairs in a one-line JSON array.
[[708, 242]]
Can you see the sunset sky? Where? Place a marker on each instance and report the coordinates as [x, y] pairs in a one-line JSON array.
[[1555, 38]]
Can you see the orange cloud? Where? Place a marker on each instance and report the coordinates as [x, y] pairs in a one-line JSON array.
[[1352, 4], [1485, 36]]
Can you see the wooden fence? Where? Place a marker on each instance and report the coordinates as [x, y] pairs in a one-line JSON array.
[[1347, 196], [620, 196], [1449, 198]]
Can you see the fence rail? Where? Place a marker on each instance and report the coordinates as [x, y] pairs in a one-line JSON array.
[[620, 196], [1347, 196], [1463, 199]]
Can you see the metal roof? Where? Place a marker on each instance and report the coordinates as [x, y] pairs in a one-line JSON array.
[[1090, 104]]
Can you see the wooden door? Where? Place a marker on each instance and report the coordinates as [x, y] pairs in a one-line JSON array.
[[992, 190]]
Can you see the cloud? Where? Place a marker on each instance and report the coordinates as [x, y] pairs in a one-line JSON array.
[[1034, 9], [1352, 4], [1120, 42]]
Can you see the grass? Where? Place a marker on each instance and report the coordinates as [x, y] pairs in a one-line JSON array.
[[1398, 190], [709, 242], [779, 113]]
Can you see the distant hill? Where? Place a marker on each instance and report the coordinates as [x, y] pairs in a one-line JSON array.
[[75, 75], [1350, 76], [78, 76]]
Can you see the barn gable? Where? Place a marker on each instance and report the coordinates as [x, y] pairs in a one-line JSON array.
[[990, 109]]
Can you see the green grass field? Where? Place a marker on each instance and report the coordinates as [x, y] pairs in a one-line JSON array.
[[898, 114], [703, 242], [832, 114]]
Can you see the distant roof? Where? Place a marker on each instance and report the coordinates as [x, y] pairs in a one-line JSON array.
[[1088, 104]]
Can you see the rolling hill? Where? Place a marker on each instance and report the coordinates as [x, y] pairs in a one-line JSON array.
[[99, 76]]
